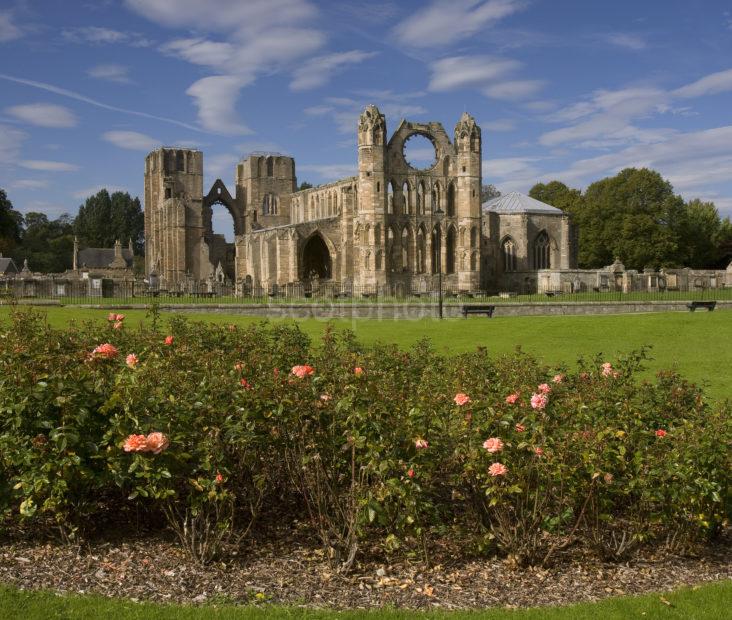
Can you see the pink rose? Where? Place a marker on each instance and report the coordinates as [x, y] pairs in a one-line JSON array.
[[607, 370], [132, 360], [325, 397], [168, 340], [238, 366], [512, 398], [497, 469], [105, 350], [117, 325], [112, 317], [461, 399], [135, 443], [421, 444], [492, 445], [608, 477], [119, 317], [245, 384], [558, 379], [544, 388], [219, 478], [539, 451], [157, 442], [661, 433], [358, 371], [539, 401], [520, 428], [410, 472], [302, 371]]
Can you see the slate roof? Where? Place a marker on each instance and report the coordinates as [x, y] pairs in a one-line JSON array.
[[516, 202], [7, 266], [100, 258]]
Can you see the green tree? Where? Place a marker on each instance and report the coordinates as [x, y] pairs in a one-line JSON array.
[[557, 194], [304, 185], [487, 192], [11, 224], [103, 219], [635, 216], [47, 245], [701, 233]]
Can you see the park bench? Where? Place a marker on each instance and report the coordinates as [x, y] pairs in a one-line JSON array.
[[487, 310], [552, 293], [709, 305]]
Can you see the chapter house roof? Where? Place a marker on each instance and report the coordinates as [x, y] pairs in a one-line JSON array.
[[516, 202]]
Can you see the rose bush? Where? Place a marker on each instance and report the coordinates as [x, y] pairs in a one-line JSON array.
[[212, 427]]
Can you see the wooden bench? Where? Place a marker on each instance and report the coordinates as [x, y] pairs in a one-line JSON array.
[[487, 310], [709, 305]]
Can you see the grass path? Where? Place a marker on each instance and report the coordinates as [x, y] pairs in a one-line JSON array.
[[708, 602], [698, 344]]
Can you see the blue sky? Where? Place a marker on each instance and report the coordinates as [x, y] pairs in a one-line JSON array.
[[568, 89]]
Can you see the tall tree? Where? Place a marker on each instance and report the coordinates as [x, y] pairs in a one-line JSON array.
[[557, 194], [700, 231], [635, 216], [11, 224], [488, 191], [47, 245], [103, 219]]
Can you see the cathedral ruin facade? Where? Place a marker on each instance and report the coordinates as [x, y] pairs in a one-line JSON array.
[[392, 225]]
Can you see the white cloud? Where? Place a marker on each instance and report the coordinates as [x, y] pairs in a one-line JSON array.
[[513, 89], [82, 194], [11, 140], [318, 71], [500, 124], [97, 35], [131, 140], [318, 110], [8, 30], [64, 92], [261, 37], [510, 167], [215, 96], [447, 21], [43, 114], [48, 166], [626, 40], [712, 84], [29, 184], [110, 73], [220, 166], [464, 71]]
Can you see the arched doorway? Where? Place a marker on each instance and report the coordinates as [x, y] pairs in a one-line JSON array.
[[316, 259]]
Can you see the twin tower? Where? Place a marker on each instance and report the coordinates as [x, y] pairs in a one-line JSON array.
[[390, 224]]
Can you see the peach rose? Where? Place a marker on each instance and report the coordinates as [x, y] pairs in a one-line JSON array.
[[169, 340], [520, 428], [421, 444], [410, 472], [245, 384], [558, 379], [661, 433], [219, 478], [135, 443], [117, 325], [539, 401], [157, 442], [325, 397], [302, 371], [105, 350], [238, 366], [493, 444], [119, 317], [539, 451], [132, 360], [544, 388], [512, 398], [497, 469], [461, 399], [358, 371], [112, 317]]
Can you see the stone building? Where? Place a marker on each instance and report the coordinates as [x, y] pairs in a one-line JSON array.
[[392, 225]]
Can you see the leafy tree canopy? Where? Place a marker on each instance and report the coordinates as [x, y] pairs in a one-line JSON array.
[[103, 219], [488, 191]]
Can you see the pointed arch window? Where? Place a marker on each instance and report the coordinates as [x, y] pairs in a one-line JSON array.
[[508, 252], [542, 251], [450, 243], [450, 200]]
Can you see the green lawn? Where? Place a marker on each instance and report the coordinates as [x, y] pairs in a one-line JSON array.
[[697, 344], [708, 602]]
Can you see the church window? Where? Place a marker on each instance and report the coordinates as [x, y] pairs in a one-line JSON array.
[[508, 251], [542, 251], [450, 200], [450, 266], [270, 167]]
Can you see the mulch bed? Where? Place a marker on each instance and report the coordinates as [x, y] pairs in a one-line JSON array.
[[291, 570]]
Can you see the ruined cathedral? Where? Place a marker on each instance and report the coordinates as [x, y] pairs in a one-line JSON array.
[[392, 225]]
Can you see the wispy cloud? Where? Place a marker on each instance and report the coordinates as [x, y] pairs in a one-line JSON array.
[[43, 114], [215, 97], [29, 184], [330, 172], [110, 73], [8, 30], [712, 84], [318, 71], [447, 21], [465, 71], [500, 124], [78, 97], [48, 166], [98, 35], [513, 90], [11, 140], [131, 140], [626, 40]]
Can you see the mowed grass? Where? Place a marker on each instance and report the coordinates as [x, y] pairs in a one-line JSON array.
[[698, 344], [708, 602]]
